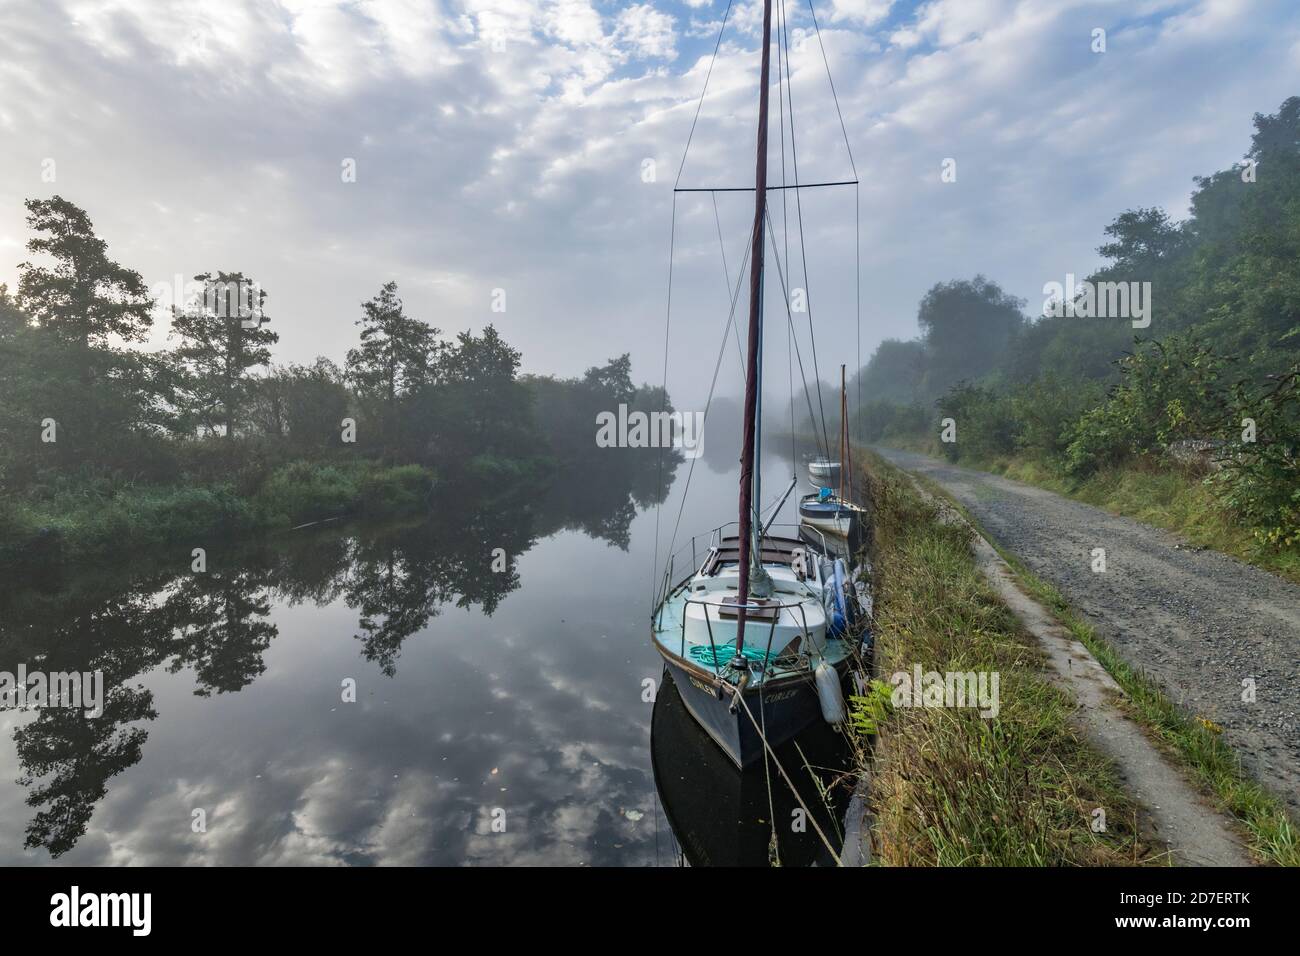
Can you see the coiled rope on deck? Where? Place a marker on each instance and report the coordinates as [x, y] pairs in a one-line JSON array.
[[711, 656]]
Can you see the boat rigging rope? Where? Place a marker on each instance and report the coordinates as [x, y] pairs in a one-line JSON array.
[[823, 448], [785, 236], [790, 783], [663, 405], [773, 845], [785, 86], [803, 251], [735, 326], [857, 214], [698, 106], [834, 95], [663, 399], [735, 298]]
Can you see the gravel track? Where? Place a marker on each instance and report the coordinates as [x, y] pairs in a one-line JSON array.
[[1199, 622]]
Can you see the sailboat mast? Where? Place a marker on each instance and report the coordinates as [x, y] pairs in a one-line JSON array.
[[844, 432], [753, 357]]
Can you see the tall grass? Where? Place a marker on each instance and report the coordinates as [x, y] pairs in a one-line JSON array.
[[1273, 835], [950, 787]]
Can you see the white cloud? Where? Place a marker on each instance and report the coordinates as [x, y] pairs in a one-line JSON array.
[[865, 12], [647, 31], [521, 167]]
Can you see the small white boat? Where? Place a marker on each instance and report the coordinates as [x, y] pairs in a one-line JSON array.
[[824, 473]]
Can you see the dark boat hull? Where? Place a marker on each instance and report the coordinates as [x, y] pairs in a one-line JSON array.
[[722, 816], [785, 709]]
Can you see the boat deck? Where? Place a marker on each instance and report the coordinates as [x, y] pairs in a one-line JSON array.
[[785, 634]]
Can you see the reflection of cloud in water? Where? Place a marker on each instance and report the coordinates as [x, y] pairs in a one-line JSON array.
[[340, 803], [546, 691]]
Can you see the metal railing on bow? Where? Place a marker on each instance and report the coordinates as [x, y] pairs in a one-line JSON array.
[[715, 537]]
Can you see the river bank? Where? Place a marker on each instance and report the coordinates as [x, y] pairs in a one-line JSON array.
[[77, 520], [948, 786], [1201, 645]]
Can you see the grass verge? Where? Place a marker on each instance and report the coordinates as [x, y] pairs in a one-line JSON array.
[[77, 522], [1211, 763], [949, 787]]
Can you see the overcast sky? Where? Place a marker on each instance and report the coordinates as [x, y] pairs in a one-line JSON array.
[[503, 144]]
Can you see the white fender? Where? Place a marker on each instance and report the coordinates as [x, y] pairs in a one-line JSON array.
[[829, 693]]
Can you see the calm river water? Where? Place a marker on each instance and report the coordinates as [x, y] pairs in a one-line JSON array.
[[498, 717]]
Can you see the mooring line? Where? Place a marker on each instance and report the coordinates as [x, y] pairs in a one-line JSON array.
[[790, 783]]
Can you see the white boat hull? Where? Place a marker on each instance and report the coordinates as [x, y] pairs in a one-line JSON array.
[[838, 526], [824, 474]]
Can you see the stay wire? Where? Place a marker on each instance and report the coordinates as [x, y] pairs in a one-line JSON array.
[[803, 251], [822, 448]]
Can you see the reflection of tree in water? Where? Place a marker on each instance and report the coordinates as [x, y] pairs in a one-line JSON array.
[[722, 435], [395, 601], [602, 497], [223, 636], [66, 757], [399, 582], [216, 622], [208, 621]]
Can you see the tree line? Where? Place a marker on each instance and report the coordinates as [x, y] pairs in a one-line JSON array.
[[1218, 366], [84, 410]]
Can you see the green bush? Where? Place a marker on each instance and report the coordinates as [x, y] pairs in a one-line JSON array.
[[1045, 412], [1168, 390], [884, 419], [396, 490], [985, 419], [301, 491], [494, 472], [73, 520], [1260, 479], [183, 513]]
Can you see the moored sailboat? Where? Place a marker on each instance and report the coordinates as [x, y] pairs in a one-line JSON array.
[[759, 636], [831, 511]]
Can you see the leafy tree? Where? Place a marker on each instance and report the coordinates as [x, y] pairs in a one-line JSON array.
[[1277, 137], [1142, 241], [612, 380], [1045, 410], [12, 319], [302, 405], [1170, 390], [1261, 474], [85, 303], [1246, 227], [221, 339], [986, 426], [476, 408], [86, 298], [397, 355], [966, 325], [892, 373]]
